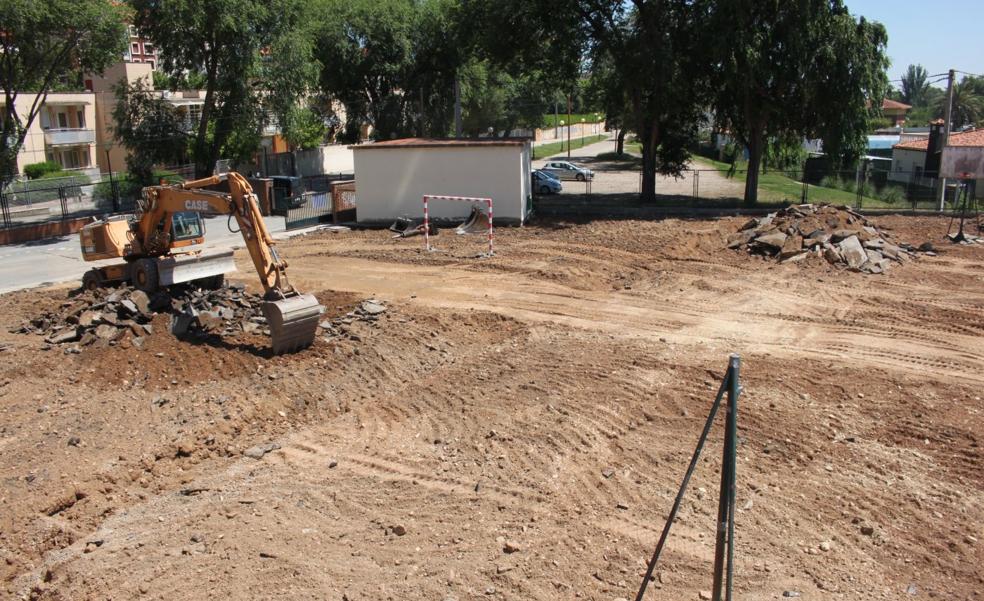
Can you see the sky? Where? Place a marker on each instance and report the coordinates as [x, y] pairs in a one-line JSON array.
[[938, 34]]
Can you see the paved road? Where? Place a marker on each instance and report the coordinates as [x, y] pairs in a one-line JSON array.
[[60, 259]]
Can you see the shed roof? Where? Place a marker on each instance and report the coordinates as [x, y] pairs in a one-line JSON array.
[[893, 104], [441, 143], [972, 139]]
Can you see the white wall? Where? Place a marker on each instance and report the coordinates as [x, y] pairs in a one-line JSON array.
[[904, 163], [390, 182]]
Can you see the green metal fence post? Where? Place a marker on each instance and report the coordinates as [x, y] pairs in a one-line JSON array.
[[731, 441]]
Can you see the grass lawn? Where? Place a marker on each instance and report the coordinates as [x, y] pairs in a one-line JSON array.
[[546, 150], [779, 187]]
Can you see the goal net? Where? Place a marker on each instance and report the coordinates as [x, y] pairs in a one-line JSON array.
[[487, 202]]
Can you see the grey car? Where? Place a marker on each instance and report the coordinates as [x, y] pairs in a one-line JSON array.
[[545, 183], [564, 170]]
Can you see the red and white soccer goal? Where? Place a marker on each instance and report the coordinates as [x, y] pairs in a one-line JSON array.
[[432, 197]]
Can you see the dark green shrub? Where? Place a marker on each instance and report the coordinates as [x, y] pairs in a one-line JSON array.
[[37, 170]]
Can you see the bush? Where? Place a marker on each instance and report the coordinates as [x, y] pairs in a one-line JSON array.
[[38, 170]]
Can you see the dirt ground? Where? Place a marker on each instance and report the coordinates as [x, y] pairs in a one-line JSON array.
[[546, 400]]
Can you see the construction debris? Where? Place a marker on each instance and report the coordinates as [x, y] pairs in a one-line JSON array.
[[368, 311], [838, 234], [110, 316]]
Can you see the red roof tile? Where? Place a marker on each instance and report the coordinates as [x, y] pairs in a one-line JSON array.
[[891, 104], [974, 139]]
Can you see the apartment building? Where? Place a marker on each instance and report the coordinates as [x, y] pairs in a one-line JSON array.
[[64, 131]]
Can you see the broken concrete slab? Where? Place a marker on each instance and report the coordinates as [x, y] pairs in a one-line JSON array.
[[852, 252]]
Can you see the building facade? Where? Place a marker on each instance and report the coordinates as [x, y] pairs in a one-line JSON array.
[[63, 132]]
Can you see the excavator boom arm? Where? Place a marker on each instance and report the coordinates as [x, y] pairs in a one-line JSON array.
[[240, 203]]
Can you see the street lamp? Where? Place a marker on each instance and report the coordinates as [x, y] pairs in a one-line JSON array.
[[582, 131], [561, 137]]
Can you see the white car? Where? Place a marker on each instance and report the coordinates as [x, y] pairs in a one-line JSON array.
[[566, 171]]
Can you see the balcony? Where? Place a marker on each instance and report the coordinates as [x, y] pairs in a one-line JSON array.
[[69, 137]]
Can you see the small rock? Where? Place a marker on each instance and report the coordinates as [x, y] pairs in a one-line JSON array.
[[621, 505], [704, 595], [790, 594], [373, 307], [826, 546], [511, 547], [74, 441], [608, 472], [259, 451], [867, 530], [399, 530]]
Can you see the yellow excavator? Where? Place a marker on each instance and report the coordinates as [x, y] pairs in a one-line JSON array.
[[156, 248]]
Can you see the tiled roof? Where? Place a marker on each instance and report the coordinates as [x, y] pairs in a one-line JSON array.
[[974, 139], [441, 142], [891, 104]]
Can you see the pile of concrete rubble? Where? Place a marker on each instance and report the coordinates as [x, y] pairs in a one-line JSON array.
[[368, 311], [110, 316], [838, 234]]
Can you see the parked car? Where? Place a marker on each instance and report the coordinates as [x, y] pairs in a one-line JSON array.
[[568, 171], [545, 183]]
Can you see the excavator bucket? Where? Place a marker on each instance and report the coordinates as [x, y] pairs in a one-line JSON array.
[[293, 322]]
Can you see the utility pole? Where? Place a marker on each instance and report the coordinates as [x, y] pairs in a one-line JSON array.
[[947, 116], [568, 126], [556, 120], [457, 107]]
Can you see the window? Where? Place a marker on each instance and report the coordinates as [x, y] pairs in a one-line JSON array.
[[135, 48], [81, 117], [148, 48], [186, 225], [62, 121]]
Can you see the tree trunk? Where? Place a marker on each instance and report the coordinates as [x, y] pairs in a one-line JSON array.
[[203, 168], [754, 162], [620, 142], [650, 139]]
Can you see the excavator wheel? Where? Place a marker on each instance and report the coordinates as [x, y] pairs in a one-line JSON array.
[[92, 280], [143, 275]]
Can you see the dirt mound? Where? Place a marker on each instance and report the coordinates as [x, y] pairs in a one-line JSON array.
[[838, 234], [111, 316]]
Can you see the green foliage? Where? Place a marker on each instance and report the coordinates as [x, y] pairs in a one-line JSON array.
[[255, 56], [37, 170], [491, 98], [801, 69], [190, 80], [46, 44], [915, 86], [390, 64], [968, 103], [150, 128], [304, 128]]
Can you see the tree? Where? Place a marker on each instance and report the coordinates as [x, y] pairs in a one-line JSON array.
[[150, 128], [256, 57], [654, 47], [968, 103], [390, 63], [796, 68], [915, 85], [43, 42]]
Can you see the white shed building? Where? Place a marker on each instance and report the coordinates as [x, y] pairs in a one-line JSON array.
[[391, 177]]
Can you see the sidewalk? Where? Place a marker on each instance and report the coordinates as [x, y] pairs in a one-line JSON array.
[[573, 138]]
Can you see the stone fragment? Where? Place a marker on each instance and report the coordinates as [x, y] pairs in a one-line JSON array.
[[852, 252], [773, 241], [259, 451]]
